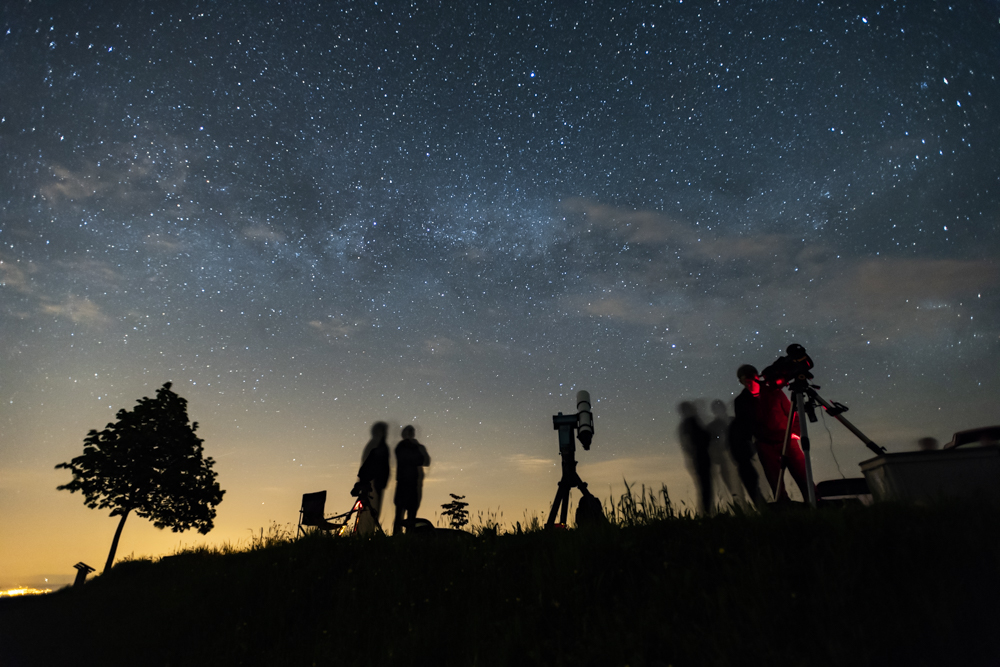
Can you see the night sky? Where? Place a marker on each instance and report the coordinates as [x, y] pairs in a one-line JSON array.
[[310, 216]]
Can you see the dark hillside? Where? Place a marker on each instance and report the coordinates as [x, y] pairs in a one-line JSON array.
[[879, 586]]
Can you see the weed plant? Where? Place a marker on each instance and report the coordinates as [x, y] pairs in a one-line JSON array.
[[488, 523], [886, 585], [649, 507]]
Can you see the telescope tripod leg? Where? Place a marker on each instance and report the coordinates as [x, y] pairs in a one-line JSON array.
[[804, 438], [565, 507], [780, 482], [561, 501], [798, 407], [836, 411]]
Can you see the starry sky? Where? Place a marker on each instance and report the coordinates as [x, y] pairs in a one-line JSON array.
[[310, 216]]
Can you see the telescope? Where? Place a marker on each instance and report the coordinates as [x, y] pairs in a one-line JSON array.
[[582, 424], [795, 365], [792, 371]]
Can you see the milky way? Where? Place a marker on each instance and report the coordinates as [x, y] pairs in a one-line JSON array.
[[312, 215]]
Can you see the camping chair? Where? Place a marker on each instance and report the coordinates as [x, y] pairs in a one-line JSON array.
[[312, 514]]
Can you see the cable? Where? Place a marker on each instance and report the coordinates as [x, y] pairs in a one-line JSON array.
[[832, 453]]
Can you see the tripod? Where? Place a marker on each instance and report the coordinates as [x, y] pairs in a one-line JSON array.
[[801, 388], [365, 521]]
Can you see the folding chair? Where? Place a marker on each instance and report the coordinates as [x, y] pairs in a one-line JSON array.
[[312, 514]]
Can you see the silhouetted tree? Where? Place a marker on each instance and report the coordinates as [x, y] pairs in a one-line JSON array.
[[455, 511], [150, 462]]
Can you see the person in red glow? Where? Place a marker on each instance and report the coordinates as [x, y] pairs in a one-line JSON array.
[[741, 432], [770, 421]]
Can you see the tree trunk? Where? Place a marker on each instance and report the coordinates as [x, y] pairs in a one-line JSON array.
[[114, 542]]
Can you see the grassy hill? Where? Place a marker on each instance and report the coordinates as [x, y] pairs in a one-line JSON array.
[[887, 585]]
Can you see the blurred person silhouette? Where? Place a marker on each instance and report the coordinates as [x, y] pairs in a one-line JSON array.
[[373, 476], [718, 450], [773, 408], [411, 457], [927, 444], [988, 440], [695, 442], [741, 432]]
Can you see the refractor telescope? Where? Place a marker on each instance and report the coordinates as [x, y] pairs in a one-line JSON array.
[[589, 509], [584, 420]]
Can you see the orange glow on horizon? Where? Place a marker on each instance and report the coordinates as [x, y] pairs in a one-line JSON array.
[[22, 591]]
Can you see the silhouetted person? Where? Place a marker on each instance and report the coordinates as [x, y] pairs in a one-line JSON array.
[[411, 457], [773, 408], [927, 444], [718, 450], [741, 431], [695, 442], [374, 473], [988, 440]]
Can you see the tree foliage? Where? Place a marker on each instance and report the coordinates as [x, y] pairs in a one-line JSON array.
[[149, 462], [457, 515]]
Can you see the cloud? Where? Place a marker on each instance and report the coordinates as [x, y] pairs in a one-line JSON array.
[[135, 173], [631, 226], [756, 248], [161, 243], [439, 346], [73, 185], [91, 272], [79, 310], [334, 328], [896, 299], [906, 290], [655, 252], [629, 309], [923, 280], [26, 280], [702, 285], [16, 277], [263, 233], [525, 464]]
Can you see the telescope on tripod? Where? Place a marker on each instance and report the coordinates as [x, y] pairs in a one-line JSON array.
[[582, 424], [792, 371]]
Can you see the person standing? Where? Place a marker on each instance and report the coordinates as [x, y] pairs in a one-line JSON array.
[[927, 444], [773, 408], [741, 431], [373, 476], [411, 457], [695, 442], [718, 449]]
